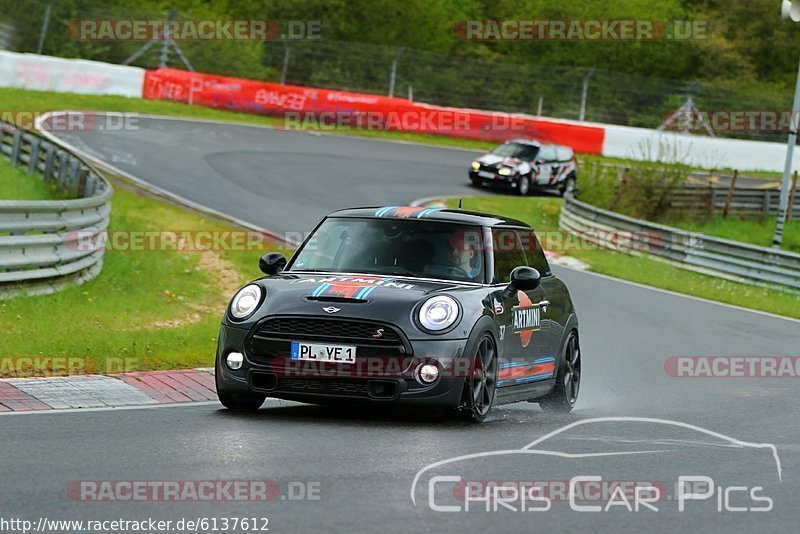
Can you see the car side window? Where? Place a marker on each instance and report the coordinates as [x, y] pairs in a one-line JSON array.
[[564, 154], [535, 252], [508, 253], [547, 154]]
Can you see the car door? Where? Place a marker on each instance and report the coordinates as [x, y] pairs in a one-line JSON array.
[[544, 164], [518, 314]]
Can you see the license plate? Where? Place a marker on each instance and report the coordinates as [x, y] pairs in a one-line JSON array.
[[323, 353], [485, 174]]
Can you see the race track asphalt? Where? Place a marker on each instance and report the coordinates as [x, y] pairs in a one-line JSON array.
[[365, 462]]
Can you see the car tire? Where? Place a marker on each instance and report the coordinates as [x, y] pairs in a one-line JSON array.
[[564, 395], [241, 402], [524, 185], [568, 185], [481, 387], [475, 182]]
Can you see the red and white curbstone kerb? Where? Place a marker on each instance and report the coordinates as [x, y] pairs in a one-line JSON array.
[[107, 391]]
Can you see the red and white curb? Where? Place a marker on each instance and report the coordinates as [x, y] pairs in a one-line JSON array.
[[107, 391]]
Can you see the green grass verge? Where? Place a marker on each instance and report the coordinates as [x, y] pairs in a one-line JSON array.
[[16, 184], [146, 310], [542, 213], [757, 231]]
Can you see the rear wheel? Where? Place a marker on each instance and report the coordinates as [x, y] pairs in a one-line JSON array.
[[568, 186], [524, 186], [482, 384], [568, 382]]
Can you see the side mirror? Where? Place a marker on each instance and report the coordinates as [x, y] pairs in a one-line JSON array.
[[272, 263], [525, 278]]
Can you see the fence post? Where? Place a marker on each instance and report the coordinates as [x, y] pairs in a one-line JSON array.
[[730, 195], [539, 109], [585, 89], [393, 76], [16, 147], [790, 208], [33, 156], [285, 67]]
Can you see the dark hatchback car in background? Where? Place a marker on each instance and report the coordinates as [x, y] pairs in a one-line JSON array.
[[524, 164], [408, 305]]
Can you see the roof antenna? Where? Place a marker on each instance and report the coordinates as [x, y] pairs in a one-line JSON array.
[[459, 203]]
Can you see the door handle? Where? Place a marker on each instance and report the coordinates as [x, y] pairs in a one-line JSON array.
[[544, 304]]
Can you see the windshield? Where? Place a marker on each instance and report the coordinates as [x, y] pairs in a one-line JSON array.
[[516, 150], [394, 247]]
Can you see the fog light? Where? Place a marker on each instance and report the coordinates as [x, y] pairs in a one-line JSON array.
[[234, 360], [427, 373]]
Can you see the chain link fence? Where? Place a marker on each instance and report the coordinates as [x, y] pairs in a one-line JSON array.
[[562, 92]]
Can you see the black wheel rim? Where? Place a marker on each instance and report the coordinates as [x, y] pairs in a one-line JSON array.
[[484, 377], [572, 375]]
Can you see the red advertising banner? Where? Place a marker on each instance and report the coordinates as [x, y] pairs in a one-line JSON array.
[[307, 107]]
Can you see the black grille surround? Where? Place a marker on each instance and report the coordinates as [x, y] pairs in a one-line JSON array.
[[329, 329], [272, 337]]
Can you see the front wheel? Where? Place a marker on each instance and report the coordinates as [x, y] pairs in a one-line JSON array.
[[568, 382], [524, 186], [482, 384], [240, 402]]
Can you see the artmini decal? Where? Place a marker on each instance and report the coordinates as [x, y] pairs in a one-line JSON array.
[[350, 287], [527, 317], [405, 212]]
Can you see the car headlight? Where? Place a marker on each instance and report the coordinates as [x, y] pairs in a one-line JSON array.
[[505, 171], [438, 313], [246, 301], [475, 165]]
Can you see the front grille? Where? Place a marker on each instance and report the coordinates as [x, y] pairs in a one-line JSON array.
[[328, 386], [314, 328]]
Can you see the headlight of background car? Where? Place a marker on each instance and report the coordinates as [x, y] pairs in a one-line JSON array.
[[505, 171], [475, 165], [246, 301], [438, 313]]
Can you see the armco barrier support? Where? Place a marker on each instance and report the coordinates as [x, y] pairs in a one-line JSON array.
[[45, 73], [381, 112], [712, 255], [39, 252]]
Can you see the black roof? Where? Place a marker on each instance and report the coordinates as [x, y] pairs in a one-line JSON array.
[[429, 214]]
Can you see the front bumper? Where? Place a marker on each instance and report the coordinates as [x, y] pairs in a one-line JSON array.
[[509, 182], [379, 374]]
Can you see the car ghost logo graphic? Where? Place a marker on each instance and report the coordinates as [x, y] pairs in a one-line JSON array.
[[526, 318]]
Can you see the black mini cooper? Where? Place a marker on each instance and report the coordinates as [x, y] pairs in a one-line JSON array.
[[409, 305]]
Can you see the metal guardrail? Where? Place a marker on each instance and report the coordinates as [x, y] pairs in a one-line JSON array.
[[39, 251], [711, 255]]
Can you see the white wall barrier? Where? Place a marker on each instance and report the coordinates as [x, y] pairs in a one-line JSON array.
[[45, 73], [700, 150]]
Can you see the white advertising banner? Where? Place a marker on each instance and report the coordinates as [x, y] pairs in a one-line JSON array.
[[45, 73]]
